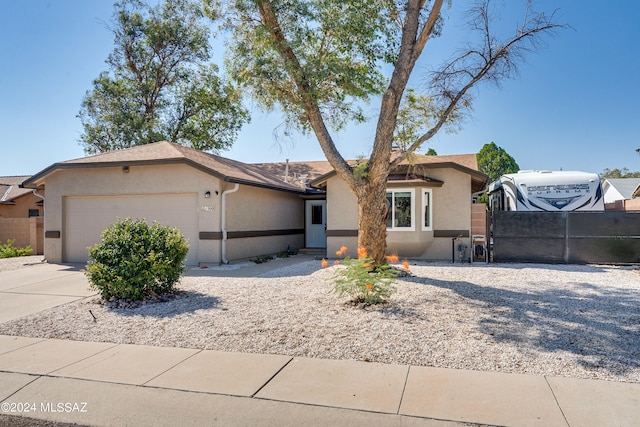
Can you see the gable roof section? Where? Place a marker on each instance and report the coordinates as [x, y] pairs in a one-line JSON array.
[[627, 187], [10, 188], [420, 164], [162, 153]]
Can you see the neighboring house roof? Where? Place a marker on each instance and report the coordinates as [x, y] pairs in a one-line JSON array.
[[169, 153], [10, 188], [418, 166], [620, 188]]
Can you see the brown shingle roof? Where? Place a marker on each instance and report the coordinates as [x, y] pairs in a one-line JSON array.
[[316, 169], [10, 188], [268, 175], [166, 153], [420, 164], [297, 170], [468, 161]]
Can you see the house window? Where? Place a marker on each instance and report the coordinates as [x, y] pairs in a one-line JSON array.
[[316, 214], [401, 204], [427, 213], [33, 212]]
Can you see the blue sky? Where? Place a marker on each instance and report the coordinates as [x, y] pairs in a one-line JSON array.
[[574, 104]]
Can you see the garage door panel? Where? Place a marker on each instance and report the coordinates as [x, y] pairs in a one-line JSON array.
[[86, 217]]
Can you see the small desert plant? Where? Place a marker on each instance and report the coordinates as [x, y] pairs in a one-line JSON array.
[[262, 259], [134, 260], [362, 280], [9, 251]]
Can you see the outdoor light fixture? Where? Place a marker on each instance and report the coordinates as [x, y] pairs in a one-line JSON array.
[[125, 169], [207, 194]]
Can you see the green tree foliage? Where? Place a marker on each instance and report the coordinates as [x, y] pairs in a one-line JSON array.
[[322, 61], [134, 260], [619, 173], [160, 85], [494, 161], [431, 152]]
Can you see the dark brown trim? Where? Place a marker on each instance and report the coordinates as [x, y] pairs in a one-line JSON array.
[[342, 233], [210, 235], [414, 183], [450, 233], [50, 234], [263, 233]]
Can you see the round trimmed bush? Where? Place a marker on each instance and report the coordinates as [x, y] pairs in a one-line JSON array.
[[134, 260]]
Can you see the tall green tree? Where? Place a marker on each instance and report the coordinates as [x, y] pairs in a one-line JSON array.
[[321, 61], [160, 84], [494, 161]]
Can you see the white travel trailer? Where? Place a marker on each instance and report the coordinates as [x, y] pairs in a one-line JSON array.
[[552, 191]]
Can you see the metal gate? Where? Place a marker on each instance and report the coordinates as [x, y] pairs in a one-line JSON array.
[[566, 237]]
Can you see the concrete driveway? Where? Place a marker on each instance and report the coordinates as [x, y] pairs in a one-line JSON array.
[[30, 290]]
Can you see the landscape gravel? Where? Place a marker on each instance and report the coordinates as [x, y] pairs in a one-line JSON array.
[[580, 321]]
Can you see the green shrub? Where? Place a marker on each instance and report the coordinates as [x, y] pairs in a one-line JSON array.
[[362, 280], [262, 259], [134, 260], [8, 251]]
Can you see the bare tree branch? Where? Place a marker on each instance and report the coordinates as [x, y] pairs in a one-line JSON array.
[[493, 62]]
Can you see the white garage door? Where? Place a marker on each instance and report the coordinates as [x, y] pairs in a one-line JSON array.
[[86, 217]]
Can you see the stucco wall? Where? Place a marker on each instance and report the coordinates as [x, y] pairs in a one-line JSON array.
[[139, 180], [24, 232], [451, 211], [254, 210], [21, 207], [281, 210]]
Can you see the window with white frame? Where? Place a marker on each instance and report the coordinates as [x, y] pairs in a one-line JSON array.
[[401, 209], [427, 214]]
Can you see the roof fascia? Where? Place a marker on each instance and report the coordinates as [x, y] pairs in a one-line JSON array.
[[267, 186], [474, 173]]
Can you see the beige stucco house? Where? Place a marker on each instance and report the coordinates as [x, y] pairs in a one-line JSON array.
[[226, 209], [21, 212], [230, 210], [431, 204]]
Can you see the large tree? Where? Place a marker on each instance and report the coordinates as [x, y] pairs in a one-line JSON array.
[[494, 161], [321, 61], [160, 84]]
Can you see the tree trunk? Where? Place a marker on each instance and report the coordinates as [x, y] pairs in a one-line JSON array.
[[372, 220]]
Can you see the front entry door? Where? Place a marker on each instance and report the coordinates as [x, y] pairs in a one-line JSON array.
[[316, 223]]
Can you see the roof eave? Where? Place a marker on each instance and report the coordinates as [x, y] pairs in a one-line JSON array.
[[479, 176], [234, 180], [36, 181]]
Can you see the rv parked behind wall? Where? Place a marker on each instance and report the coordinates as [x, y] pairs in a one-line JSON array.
[[551, 191]]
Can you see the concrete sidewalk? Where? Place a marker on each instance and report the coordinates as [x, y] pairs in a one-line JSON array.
[[105, 384]]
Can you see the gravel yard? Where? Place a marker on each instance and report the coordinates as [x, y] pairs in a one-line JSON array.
[[558, 320]]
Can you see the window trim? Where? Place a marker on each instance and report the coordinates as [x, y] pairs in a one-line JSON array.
[[429, 206], [413, 208]]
